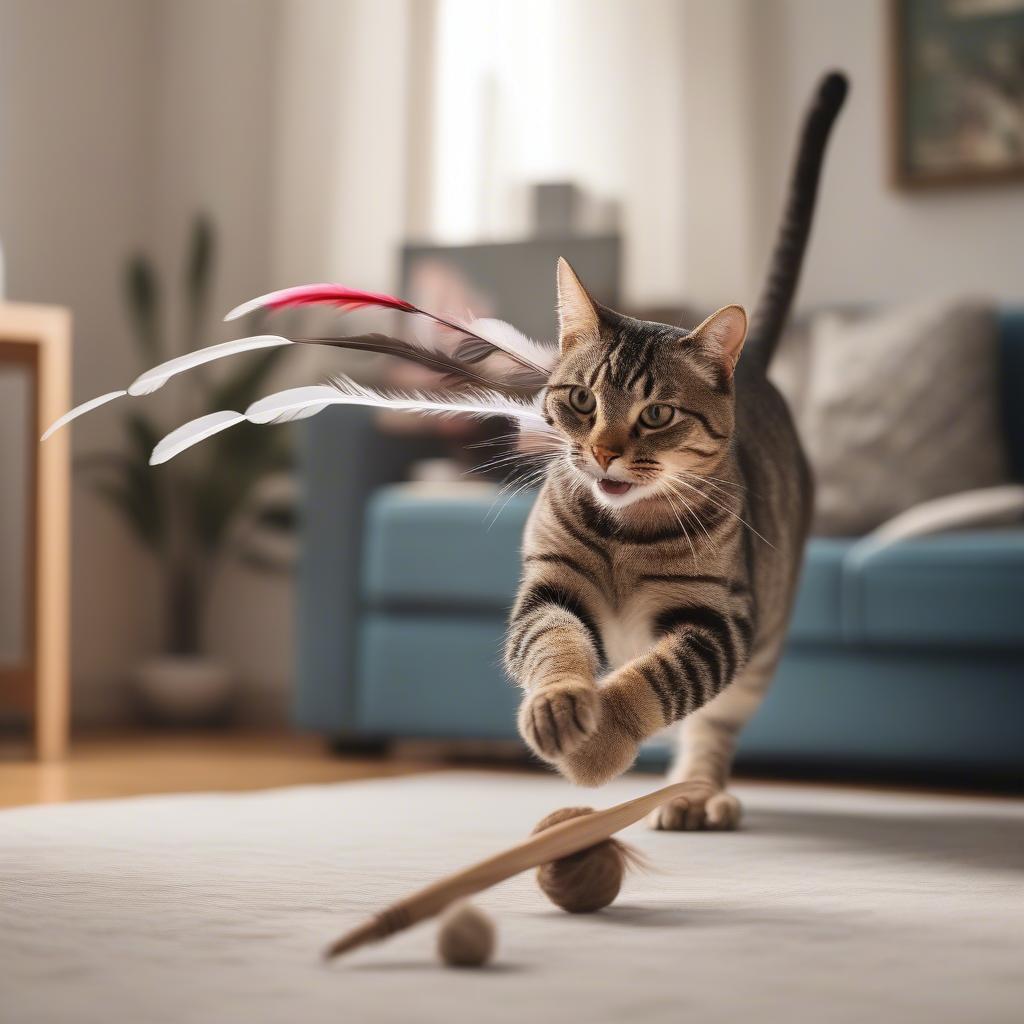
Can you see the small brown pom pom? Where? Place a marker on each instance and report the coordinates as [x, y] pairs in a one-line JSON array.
[[586, 881], [466, 936]]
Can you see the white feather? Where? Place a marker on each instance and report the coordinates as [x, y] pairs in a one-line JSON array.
[[246, 307], [513, 350], [192, 433], [297, 403], [512, 340], [515, 359], [154, 379], [93, 403], [148, 382], [501, 335], [292, 404]]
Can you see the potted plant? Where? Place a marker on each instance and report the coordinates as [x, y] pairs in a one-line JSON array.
[[195, 511]]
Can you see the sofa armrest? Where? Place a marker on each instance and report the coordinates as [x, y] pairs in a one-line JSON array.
[[985, 506], [343, 459]]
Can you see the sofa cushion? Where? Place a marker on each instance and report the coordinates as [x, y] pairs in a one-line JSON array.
[[440, 551], [952, 590], [445, 552], [901, 409], [434, 675], [449, 555], [817, 614], [1011, 379]]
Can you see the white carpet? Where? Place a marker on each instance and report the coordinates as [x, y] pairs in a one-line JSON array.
[[828, 907]]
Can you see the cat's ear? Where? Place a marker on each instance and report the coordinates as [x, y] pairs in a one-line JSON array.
[[723, 333], [577, 315]]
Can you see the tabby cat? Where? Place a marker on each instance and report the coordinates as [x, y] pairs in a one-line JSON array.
[[661, 558], [662, 555]]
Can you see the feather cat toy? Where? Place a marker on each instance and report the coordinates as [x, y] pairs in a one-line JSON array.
[[662, 554]]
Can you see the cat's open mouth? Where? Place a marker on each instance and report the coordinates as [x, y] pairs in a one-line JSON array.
[[614, 486]]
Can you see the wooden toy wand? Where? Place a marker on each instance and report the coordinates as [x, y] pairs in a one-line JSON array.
[[560, 840]]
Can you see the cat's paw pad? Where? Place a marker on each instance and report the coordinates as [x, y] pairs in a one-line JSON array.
[[556, 720], [707, 808]]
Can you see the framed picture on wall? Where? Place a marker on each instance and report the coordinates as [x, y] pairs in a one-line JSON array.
[[957, 91]]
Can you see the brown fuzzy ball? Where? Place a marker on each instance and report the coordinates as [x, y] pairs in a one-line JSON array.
[[466, 936], [586, 881]]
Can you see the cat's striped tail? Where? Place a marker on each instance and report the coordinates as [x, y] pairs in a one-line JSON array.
[[791, 241]]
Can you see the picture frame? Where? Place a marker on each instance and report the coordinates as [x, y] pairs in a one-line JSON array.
[[956, 92]]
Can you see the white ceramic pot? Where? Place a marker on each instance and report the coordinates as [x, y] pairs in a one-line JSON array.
[[185, 689]]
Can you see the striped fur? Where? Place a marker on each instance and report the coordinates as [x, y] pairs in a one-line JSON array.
[[661, 558]]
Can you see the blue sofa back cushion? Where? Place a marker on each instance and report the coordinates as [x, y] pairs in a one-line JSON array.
[[955, 590], [1011, 323], [449, 557]]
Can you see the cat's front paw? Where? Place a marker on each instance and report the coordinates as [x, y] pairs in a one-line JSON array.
[[557, 719], [705, 808], [603, 757]]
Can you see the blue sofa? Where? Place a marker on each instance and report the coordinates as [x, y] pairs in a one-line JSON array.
[[906, 660]]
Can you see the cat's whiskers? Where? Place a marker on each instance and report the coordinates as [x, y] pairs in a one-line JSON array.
[[531, 478], [724, 508], [691, 513], [717, 479], [543, 447], [529, 464], [528, 468], [686, 535], [512, 435], [551, 450], [510, 458], [713, 481]]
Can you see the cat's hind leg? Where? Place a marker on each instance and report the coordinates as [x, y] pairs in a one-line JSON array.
[[705, 746]]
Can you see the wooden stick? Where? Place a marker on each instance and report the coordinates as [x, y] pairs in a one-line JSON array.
[[558, 841]]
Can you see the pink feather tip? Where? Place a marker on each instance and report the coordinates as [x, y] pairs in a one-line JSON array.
[[311, 294]]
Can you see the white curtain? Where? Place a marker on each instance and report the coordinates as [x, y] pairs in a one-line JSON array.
[[589, 91]]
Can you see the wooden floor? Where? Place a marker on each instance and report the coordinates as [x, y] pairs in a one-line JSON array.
[[138, 764]]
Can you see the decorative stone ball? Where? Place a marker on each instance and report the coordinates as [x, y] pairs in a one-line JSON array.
[[466, 937], [585, 881]]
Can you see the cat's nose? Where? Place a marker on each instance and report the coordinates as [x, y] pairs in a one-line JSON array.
[[604, 456]]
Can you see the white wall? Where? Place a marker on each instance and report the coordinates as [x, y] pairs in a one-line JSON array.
[[215, 145], [119, 119], [719, 197], [341, 124], [76, 195], [870, 243], [299, 152], [589, 91]]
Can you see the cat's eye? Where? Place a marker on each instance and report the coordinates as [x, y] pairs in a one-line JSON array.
[[655, 416], [582, 400]]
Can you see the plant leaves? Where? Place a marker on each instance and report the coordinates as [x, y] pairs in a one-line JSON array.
[[126, 480], [261, 561], [142, 295], [90, 461], [276, 516], [143, 435], [236, 461], [134, 493], [199, 266], [240, 389]]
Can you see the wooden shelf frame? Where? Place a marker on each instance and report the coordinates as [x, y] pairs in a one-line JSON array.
[[38, 338]]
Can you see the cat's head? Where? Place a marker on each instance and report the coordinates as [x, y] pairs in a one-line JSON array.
[[640, 405]]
